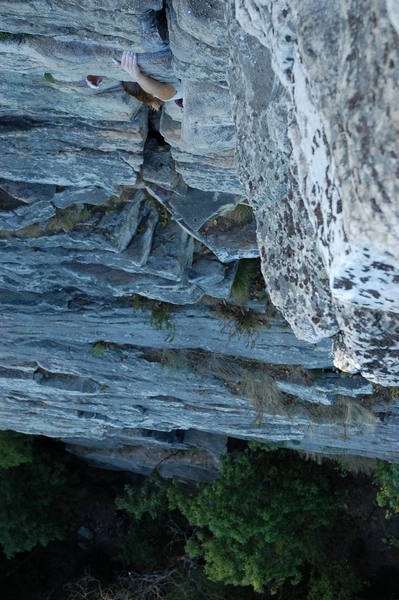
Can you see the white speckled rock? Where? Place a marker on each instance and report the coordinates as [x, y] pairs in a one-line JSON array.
[[291, 262], [341, 103]]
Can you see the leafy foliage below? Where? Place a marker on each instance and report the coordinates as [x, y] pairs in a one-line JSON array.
[[265, 541], [15, 449], [335, 581], [35, 501], [387, 479]]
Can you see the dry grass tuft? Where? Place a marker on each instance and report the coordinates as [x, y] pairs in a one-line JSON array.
[[264, 395], [242, 214]]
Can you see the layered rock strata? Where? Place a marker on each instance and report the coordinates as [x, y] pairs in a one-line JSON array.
[[120, 235]]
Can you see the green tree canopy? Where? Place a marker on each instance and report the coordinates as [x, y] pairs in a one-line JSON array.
[[15, 449], [35, 503], [262, 521]]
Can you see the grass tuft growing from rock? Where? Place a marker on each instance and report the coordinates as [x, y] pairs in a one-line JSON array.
[[246, 279], [161, 316], [6, 36]]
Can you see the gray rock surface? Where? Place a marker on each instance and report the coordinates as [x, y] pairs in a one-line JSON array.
[[64, 99], [28, 192], [207, 167], [199, 50], [184, 463], [189, 454], [119, 247], [110, 372], [196, 210], [111, 23], [291, 262], [72, 153], [338, 196]]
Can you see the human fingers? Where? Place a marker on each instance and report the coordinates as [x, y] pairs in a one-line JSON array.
[[129, 60], [124, 61], [133, 61]]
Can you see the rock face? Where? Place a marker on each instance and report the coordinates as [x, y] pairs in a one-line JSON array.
[[107, 22], [331, 115], [122, 229]]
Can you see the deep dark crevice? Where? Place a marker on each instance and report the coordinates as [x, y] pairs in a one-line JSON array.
[[162, 23], [8, 202], [21, 123], [154, 128], [236, 445], [179, 433]]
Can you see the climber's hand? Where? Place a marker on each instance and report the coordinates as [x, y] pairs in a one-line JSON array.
[[129, 64]]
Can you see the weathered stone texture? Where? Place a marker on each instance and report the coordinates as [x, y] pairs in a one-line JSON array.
[[291, 262], [135, 382], [289, 107], [114, 23], [340, 101], [70, 153], [203, 139]]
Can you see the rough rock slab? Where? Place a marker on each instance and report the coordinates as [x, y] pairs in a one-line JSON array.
[[113, 23], [89, 195], [193, 208], [316, 119], [78, 394], [196, 326], [291, 263], [118, 248], [207, 120], [158, 165], [196, 58], [70, 62], [339, 88], [21, 217], [71, 152], [203, 20], [28, 192], [33, 96], [169, 462], [209, 166], [327, 389]]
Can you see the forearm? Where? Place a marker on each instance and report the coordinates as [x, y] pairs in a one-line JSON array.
[[163, 91]]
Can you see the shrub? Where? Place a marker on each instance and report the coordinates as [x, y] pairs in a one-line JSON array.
[[160, 314], [387, 479], [35, 501], [261, 389], [247, 274], [98, 348], [239, 322], [5, 36], [15, 449], [335, 581], [261, 522], [49, 77], [146, 542], [161, 318], [150, 499], [37, 493]]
